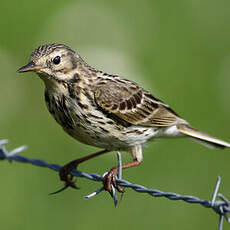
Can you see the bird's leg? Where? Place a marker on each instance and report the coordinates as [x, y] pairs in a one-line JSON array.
[[110, 177], [65, 175]]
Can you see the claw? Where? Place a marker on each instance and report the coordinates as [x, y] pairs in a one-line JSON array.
[[59, 190], [109, 180], [65, 176], [69, 184]]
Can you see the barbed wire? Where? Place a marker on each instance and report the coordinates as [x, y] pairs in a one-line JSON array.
[[220, 206]]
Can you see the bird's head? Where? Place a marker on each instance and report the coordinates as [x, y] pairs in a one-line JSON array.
[[52, 61]]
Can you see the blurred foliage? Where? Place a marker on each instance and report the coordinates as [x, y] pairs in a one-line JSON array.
[[177, 49]]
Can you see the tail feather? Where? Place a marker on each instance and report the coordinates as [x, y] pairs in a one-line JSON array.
[[201, 137]]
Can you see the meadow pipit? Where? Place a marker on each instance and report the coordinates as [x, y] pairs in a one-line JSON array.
[[104, 110]]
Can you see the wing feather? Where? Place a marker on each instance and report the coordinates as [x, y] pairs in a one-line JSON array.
[[131, 103]]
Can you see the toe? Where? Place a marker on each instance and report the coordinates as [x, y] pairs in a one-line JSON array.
[[107, 183], [111, 180]]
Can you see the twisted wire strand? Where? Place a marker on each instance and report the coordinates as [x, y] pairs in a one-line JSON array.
[[221, 206]]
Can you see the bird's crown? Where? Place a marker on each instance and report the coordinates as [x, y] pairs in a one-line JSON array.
[[46, 49]]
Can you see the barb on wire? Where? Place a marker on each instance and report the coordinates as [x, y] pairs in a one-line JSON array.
[[220, 206]]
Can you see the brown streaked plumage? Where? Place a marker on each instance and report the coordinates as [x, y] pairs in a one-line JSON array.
[[104, 110]]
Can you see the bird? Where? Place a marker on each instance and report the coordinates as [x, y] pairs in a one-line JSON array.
[[104, 110]]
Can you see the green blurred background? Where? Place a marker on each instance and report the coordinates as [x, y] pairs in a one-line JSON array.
[[180, 50]]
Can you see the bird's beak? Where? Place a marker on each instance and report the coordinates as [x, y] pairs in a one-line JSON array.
[[30, 67]]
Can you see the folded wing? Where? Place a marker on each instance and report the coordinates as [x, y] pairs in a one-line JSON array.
[[134, 105]]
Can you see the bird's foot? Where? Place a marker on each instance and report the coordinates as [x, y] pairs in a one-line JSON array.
[[109, 180], [65, 176]]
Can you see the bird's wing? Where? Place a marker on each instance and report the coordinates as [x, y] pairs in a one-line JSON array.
[[132, 104]]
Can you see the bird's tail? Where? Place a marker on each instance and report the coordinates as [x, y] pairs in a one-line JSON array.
[[201, 137]]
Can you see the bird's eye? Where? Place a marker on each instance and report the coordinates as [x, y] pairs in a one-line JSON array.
[[57, 60]]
